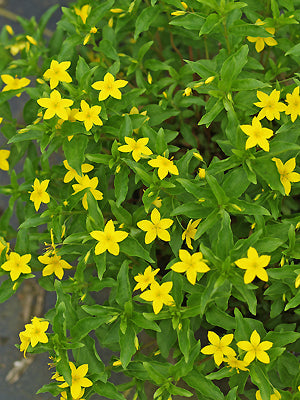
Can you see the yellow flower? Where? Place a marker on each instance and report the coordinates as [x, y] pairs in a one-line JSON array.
[[297, 281], [187, 91], [261, 41], [201, 173], [83, 12], [78, 380], [108, 239], [164, 166], [71, 174], [116, 10], [157, 227], [17, 265], [138, 147], [209, 80], [159, 295], [31, 40], [190, 232], [271, 107], [293, 107], [255, 349], [219, 347], [191, 264], [39, 194], [89, 115], [177, 13], [257, 135], [57, 73], [3, 245], [275, 396], [254, 265], [55, 105], [54, 265], [16, 48], [14, 83], [233, 362], [145, 279], [25, 342], [64, 395], [287, 174], [9, 29], [36, 331], [109, 87], [4, 154], [85, 182], [157, 202]]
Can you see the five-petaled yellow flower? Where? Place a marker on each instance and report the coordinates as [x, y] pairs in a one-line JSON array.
[[261, 41], [89, 115], [164, 166], [83, 12], [159, 295], [293, 107], [254, 265], [191, 264], [14, 83], [55, 105], [274, 396], [145, 279], [155, 227], [219, 347], [39, 194], [71, 174], [138, 147], [108, 239], [58, 73], [17, 265], [287, 174], [255, 349], [233, 362], [34, 333], [109, 87], [54, 265], [257, 135], [85, 182], [78, 379], [190, 232], [4, 154], [271, 107]]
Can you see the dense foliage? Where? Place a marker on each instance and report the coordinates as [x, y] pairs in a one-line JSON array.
[[157, 164]]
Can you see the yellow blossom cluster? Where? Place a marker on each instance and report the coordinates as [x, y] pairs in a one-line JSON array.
[[221, 351], [34, 333]]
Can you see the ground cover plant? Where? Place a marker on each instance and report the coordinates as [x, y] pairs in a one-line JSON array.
[[158, 163]]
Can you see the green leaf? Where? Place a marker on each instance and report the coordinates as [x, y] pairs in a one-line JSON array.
[[133, 248], [207, 223], [127, 345], [183, 335], [211, 21], [209, 117], [6, 290], [123, 289], [217, 317], [99, 158], [247, 295], [89, 355], [32, 134], [233, 66], [247, 84], [235, 183], [281, 339], [85, 325], [217, 190], [81, 69], [260, 379], [95, 215], [121, 184], [224, 241], [74, 151], [107, 48], [100, 261], [294, 51], [203, 385], [108, 390], [145, 19], [140, 321]]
